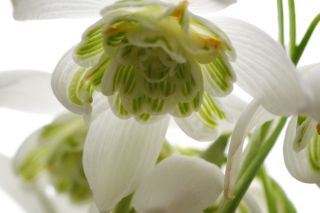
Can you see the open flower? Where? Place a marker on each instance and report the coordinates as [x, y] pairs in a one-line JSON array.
[[302, 137], [30, 91], [144, 60], [56, 149], [301, 146]]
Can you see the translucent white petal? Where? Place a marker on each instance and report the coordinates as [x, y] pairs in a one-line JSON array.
[[93, 208], [118, 153], [61, 79], [21, 193], [28, 91], [235, 151], [298, 163], [47, 9], [179, 184], [262, 67], [205, 7], [255, 198], [311, 78], [196, 128], [27, 146]]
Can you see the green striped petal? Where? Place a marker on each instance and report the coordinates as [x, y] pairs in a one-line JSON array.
[[305, 131], [219, 76], [88, 52], [304, 164], [215, 116], [151, 58]]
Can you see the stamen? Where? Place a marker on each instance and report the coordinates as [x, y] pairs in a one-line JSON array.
[[179, 12], [207, 41]]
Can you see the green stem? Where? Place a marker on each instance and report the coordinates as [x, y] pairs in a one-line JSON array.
[[267, 185], [124, 206], [301, 47], [255, 145], [292, 15], [243, 183], [281, 22]]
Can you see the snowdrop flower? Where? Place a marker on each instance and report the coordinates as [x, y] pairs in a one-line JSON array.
[[56, 149], [33, 197], [301, 147], [29, 91], [144, 60], [301, 141]]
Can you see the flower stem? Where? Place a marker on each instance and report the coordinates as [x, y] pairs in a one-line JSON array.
[[124, 206], [267, 185], [292, 15], [281, 22], [301, 47], [254, 145], [243, 183]]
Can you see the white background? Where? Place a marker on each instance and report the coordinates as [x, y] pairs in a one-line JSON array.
[[39, 45]]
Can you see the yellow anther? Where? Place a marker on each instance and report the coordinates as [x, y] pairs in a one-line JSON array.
[[180, 9], [208, 41]]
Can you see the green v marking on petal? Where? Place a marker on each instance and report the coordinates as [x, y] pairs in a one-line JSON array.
[[220, 75], [210, 112], [92, 43], [75, 85], [314, 153]]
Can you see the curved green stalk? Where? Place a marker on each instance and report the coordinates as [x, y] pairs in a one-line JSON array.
[[301, 47], [281, 22], [292, 15]]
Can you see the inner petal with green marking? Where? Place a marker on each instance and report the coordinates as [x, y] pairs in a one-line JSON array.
[[153, 59]]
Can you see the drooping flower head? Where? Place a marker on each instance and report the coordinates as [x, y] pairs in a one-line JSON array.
[[57, 150], [151, 58]]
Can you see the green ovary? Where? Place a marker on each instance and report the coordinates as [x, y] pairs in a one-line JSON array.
[[147, 59]]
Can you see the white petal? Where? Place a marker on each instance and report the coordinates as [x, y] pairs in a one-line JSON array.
[[196, 128], [262, 67], [233, 106], [61, 79], [179, 184], [21, 193], [311, 78], [27, 146], [205, 7], [298, 163], [118, 153], [47, 9], [255, 197], [28, 91], [235, 151], [93, 208]]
